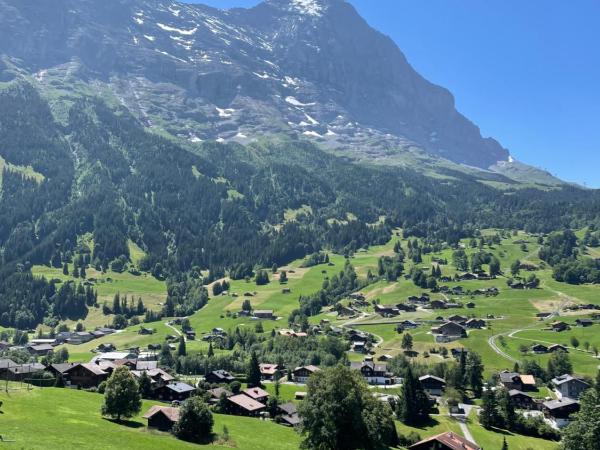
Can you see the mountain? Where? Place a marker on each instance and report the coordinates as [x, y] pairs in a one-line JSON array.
[[312, 68], [223, 139]]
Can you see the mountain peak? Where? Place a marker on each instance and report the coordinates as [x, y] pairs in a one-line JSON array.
[[313, 8]]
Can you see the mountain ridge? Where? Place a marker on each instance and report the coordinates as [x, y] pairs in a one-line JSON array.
[[325, 75]]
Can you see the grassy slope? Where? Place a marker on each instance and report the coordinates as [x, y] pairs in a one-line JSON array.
[[70, 419]]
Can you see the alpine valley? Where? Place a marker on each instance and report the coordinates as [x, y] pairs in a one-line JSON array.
[[181, 155]]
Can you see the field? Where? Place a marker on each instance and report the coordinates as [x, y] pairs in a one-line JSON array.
[[30, 420], [513, 324]]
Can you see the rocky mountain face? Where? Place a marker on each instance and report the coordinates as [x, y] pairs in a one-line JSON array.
[[311, 68]]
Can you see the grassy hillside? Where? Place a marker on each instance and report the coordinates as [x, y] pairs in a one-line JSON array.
[[70, 419]]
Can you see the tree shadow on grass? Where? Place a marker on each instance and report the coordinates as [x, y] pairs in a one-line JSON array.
[[429, 423], [125, 423]]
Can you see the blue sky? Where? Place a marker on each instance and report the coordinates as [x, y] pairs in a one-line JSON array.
[[527, 72]]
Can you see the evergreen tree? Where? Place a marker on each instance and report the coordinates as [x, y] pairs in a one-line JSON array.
[[211, 351], [253, 372], [474, 373], [413, 405], [65, 269], [145, 385], [488, 416], [504, 444], [181, 348], [407, 342]]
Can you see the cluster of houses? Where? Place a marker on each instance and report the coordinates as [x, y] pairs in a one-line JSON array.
[[567, 389], [43, 346], [455, 327]]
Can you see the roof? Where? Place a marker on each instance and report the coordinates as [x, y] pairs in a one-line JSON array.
[[222, 374], [268, 369], [171, 413], [180, 387], [374, 366], [288, 408], [528, 379], [245, 402], [146, 365], [217, 392], [255, 393], [62, 368], [557, 404], [562, 379], [514, 392], [310, 368], [451, 440], [91, 367], [508, 377], [263, 311], [41, 348], [292, 419], [116, 355], [6, 363], [432, 377]]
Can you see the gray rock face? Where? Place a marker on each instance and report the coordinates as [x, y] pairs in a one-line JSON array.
[[309, 67]]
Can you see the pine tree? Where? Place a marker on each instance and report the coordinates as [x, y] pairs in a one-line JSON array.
[[211, 351], [488, 416], [181, 348], [65, 269], [253, 371], [413, 405], [504, 444]]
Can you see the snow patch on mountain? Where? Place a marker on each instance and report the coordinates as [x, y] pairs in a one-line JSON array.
[[177, 30], [295, 102], [308, 7]]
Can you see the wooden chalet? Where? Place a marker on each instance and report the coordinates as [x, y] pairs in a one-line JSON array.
[[162, 417]]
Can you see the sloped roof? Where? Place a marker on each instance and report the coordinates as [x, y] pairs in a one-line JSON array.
[[451, 440], [256, 392], [171, 413], [245, 402]]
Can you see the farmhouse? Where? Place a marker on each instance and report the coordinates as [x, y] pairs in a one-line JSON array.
[[289, 414], [266, 314], [217, 393], [558, 347], [269, 371], [520, 399], [115, 356], [557, 412], [219, 376], [457, 319], [539, 349], [79, 337], [242, 405], [437, 304], [85, 375], [162, 417], [450, 331], [387, 310], [559, 326], [445, 441], [513, 380], [40, 349], [372, 372], [256, 393], [406, 307], [475, 323], [584, 322], [21, 372], [175, 391], [433, 385], [56, 369], [301, 374], [567, 386]]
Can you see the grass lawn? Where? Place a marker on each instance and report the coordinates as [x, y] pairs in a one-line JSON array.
[[70, 419], [492, 439]]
